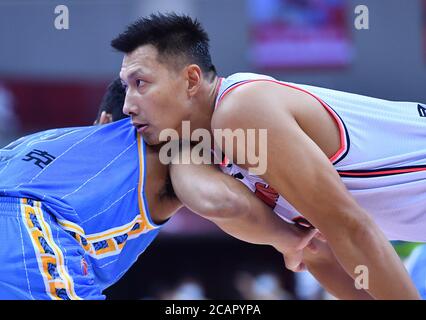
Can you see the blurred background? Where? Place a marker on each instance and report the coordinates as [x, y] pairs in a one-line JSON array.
[[53, 77]]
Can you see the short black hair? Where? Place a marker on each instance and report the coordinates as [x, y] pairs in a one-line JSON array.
[[172, 35], [113, 101]]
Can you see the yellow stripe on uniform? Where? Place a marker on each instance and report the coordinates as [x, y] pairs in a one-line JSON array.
[[41, 230], [106, 235], [68, 225], [114, 231], [142, 211], [61, 266], [34, 233]]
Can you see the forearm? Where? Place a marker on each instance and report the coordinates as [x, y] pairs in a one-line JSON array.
[[367, 249], [256, 223], [232, 206], [327, 270]]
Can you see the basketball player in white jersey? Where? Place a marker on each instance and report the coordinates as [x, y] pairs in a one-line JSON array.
[[352, 166]]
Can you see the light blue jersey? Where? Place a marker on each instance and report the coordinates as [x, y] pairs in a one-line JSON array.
[[90, 181]]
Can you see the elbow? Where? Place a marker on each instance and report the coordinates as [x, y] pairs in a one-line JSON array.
[[351, 224], [224, 204], [360, 227], [364, 230]]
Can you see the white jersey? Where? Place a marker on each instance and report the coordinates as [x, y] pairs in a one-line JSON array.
[[381, 160]]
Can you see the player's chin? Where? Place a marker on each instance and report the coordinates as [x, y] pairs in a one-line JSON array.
[[151, 139]]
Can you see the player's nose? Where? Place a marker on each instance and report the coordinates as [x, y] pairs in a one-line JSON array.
[[130, 108]]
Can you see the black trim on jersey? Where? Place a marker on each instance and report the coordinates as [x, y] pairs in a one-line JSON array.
[[377, 172], [348, 141], [422, 110], [219, 96]]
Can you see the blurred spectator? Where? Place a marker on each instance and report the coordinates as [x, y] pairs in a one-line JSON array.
[[265, 286], [9, 124], [307, 287], [188, 289]]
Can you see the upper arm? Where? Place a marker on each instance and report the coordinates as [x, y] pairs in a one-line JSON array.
[[296, 167]]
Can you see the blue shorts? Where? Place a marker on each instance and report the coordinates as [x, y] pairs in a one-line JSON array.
[[38, 259]]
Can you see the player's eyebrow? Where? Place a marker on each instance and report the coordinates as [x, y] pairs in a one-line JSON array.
[[132, 74]]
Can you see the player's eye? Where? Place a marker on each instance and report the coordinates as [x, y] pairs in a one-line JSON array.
[[139, 83]]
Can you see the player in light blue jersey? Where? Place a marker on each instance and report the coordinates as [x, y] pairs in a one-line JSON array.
[[79, 205], [80, 196]]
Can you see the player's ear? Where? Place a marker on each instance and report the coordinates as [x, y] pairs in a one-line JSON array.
[[194, 77], [105, 118]]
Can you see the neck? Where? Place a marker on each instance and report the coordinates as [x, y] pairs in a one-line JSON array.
[[205, 105]]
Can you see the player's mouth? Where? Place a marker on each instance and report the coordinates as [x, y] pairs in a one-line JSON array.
[[141, 127]]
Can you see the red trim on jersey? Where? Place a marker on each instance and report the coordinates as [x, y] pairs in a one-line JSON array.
[[225, 161], [302, 221], [343, 142], [379, 172]]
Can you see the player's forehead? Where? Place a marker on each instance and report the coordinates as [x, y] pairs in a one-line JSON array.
[[142, 60]]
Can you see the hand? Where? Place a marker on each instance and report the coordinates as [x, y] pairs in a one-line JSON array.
[[293, 255]]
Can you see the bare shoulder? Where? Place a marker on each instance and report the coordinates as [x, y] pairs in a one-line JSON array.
[[266, 104], [254, 101]]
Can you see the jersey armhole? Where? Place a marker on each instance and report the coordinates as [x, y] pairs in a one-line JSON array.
[[343, 132]]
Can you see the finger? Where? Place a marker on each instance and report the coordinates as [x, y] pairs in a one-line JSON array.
[[296, 266], [313, 248], [301, 267], [320, 237], [293, 261], [306, 239]]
